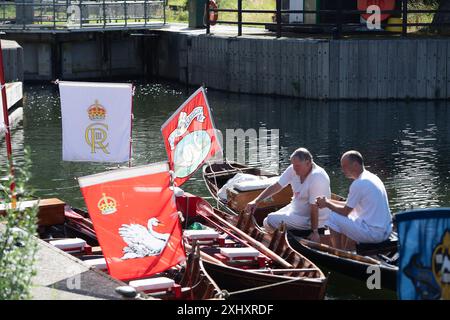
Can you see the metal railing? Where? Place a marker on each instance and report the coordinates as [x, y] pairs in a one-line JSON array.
[[77, 14], [337, 27]]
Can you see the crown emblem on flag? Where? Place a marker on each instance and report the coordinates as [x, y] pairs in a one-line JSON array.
[[107, 205], [96, 111]]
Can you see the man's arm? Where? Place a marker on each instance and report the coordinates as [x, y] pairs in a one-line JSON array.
[[268, 192], [314, 217], [337, 202], [334, 205]]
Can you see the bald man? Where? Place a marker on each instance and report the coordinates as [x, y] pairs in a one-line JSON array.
[[365, 217]]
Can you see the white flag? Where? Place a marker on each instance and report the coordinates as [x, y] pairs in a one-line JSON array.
[[2, 118], [96, 121]]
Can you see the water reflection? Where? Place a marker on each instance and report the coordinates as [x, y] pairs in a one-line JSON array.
[[406, 144]]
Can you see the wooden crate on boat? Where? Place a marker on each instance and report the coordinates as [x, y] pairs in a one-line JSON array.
[[238, 200], [51, 211]]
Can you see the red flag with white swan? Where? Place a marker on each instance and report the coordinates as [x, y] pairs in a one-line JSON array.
[[136, 219], [190, 137]]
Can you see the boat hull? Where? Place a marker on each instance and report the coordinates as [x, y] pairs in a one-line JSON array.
[[356, 269], [353, 268], [294, 277], [251, 285]]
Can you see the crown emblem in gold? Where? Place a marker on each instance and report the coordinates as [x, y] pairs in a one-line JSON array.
[[107, 205], [96, 111]]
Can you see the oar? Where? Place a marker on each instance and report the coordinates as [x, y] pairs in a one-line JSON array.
[[204, 256], [338, 252], [282, 270], [204, 210]]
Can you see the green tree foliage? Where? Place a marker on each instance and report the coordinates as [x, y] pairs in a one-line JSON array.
[[18, 245]]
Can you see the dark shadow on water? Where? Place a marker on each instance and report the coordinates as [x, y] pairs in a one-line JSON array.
[[344, 287]]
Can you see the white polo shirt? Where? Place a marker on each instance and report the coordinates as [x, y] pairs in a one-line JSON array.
[[316, 184], [368, 198]]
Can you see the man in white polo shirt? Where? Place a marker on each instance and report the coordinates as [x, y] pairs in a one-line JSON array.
[[365, 216], [308, 181]]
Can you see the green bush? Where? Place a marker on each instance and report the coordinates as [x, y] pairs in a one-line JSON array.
[[18, 245]]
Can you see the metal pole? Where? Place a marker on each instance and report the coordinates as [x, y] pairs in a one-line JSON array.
[[145, 11], [125, 12], [164, 10], [81, 14], [54, 14], [239, 18], [104, 14], [8, 129], [208, 25], [278, 8], [67, 11], [23, 14], [339, 19], [404, 18]]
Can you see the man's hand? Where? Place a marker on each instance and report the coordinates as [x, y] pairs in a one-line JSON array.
[[251, 207], [321, 202], [314, 236]]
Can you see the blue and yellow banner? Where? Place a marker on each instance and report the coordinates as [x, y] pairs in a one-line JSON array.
[[424, 248]]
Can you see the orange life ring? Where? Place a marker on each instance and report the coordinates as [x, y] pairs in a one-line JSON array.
[[213, 15]]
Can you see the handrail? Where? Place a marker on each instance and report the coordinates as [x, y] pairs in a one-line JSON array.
[[337, 27], [57, 14]]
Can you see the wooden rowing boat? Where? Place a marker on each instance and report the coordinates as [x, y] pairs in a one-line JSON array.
[[286, 274], [355, 265], [291, 276], [193, 281]]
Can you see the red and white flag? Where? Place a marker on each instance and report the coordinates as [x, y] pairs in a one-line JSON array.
[[190, 137], [136, 220]]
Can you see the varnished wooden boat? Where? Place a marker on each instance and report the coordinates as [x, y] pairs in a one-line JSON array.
[[302, 281], [291, 275], [195, 282], [354, 264], [15, 106]]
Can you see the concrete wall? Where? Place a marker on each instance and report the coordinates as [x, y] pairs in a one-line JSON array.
[[13, 60], [76, 56], [305, 68], [317, 69]]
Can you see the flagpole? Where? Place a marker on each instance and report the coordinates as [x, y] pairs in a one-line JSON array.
[[6, 119], [131, 126]]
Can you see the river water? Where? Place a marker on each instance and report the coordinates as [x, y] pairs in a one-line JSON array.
[[406, 143]]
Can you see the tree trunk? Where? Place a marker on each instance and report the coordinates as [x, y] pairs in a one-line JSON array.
[[442, 17]]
